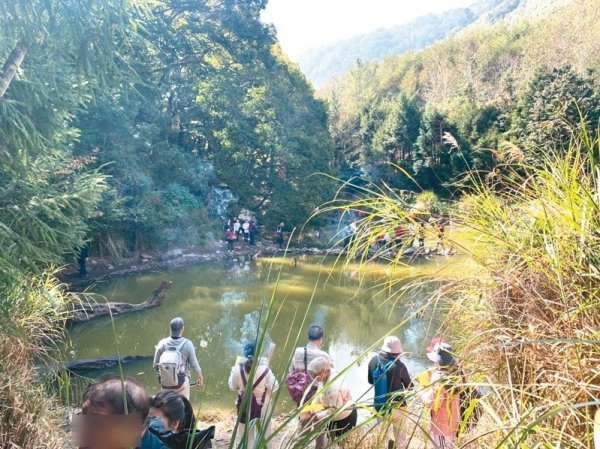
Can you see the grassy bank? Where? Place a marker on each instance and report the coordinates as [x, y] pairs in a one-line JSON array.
[[528, 325]]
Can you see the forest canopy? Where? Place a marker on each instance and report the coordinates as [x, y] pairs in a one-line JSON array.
[[142, 121], [470, 102]]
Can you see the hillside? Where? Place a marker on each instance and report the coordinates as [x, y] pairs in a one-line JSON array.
[[323, 63], [512, 81]]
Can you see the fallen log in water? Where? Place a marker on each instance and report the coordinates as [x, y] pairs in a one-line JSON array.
[[88, 365], [90, 311], [85, 366]]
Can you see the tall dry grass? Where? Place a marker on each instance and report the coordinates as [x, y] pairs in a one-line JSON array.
[[32, 318], [528, 324]]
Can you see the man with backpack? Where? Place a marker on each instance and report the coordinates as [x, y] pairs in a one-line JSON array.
[[172, 357], [390, 378], [299, 383]]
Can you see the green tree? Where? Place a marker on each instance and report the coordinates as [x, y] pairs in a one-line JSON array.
[[438, 159], [554, 102], [394, 142]]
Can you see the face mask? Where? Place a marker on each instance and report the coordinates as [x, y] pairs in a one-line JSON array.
[[158, 425]]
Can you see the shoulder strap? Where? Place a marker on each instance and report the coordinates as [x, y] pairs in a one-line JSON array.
[[260, 379], [243, 373], [305, 359]]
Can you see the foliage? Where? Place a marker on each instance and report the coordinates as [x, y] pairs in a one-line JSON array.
[[527, 323], [216, 106], [522, 82], [554, 101]]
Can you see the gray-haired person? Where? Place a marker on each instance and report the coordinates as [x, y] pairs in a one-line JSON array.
[[173, 356]]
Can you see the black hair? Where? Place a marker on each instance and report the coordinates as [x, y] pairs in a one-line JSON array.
[[176, 408], [315, 332], [119, 396]]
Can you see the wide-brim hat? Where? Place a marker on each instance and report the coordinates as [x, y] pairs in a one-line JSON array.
[[392, 345], [442, 354]]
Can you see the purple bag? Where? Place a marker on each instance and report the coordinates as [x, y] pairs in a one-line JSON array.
[[255, 407], [298, 382]]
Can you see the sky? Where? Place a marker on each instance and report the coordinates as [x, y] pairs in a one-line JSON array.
[[305, 24]]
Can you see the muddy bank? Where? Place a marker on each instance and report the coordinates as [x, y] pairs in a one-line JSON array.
[[101, 269]]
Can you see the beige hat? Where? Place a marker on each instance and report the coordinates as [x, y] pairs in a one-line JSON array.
[[392, 345]]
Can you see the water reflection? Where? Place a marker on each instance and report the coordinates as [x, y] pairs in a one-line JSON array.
[[222, 304]]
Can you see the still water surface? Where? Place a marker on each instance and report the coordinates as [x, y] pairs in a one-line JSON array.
[[221, 302]]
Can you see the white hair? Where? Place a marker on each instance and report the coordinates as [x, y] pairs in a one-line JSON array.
[[318, 366]]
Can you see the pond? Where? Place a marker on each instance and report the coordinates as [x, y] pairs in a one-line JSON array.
[[221, 305]]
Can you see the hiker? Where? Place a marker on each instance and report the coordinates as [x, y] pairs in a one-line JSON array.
[[279, 237], [113, 415], [231, 237], [390, 379], [300, 384], [399, 234], [441, 394], [312, 350], [253, 231], [335, 399], [171, 358], [246, 230], [263, 383], [171, 419], [236, 226], [82, 256], [440, 236], [421, 235]]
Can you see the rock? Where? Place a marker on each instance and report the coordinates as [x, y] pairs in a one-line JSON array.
[[174, 253]]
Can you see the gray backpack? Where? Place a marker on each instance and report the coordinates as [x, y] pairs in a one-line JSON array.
[[171, 368]]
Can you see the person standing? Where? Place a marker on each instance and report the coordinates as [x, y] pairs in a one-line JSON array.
[[172, 356], [253, 231], [230, 236], [312, 350], [246, 229], [263, 385], [441, 394], [236, 226], [396, 381], [279, 235], [82, 260], [299, 381]]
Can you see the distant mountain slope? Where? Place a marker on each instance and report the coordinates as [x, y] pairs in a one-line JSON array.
[[323, 63]]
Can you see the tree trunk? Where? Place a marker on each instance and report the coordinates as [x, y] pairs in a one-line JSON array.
[[11, 67], [91, 311]]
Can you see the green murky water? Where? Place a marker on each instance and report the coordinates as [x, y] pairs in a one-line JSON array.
[[221, 302]]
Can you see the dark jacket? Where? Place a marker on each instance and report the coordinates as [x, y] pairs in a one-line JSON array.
[[398, 378]]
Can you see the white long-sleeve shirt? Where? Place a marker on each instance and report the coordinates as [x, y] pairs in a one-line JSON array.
[[269, 383]]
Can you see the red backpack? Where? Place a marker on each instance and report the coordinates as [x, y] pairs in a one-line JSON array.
[[298, 382]]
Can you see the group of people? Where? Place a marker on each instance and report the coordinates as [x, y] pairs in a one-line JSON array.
[[237, 229], [247, 231], [326, 408], [404, 235]]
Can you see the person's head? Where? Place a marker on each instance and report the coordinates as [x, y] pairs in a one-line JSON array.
[[392, 346], [114, 413], [249, 352], [177, 325], [440, 353], [319, 369], [174, 410], [315, 334]]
